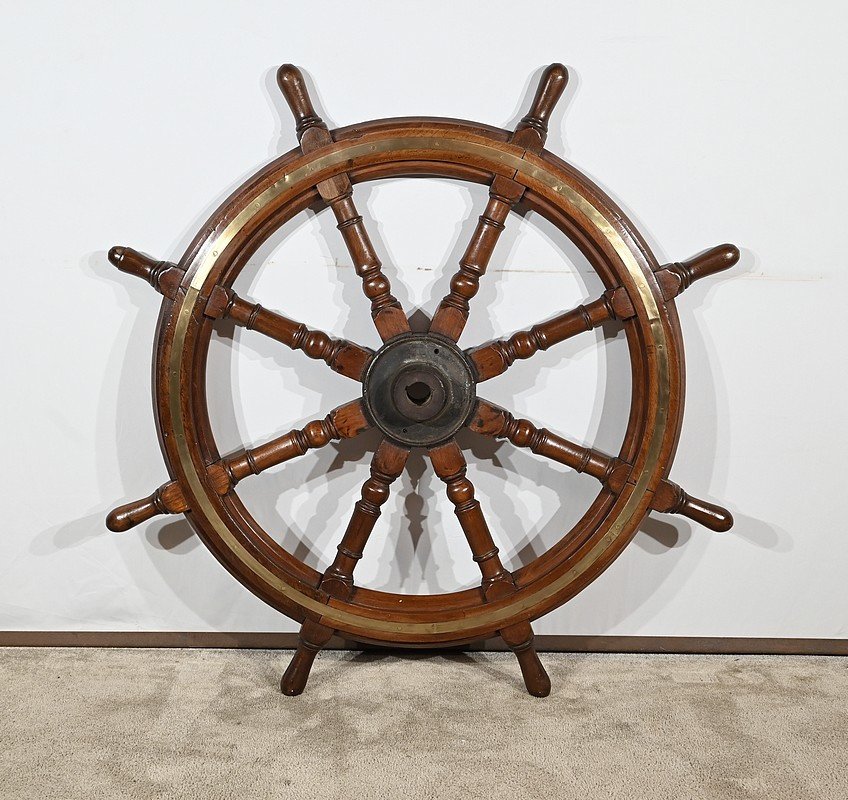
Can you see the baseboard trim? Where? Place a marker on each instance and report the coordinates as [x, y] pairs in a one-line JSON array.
[[547, 643]]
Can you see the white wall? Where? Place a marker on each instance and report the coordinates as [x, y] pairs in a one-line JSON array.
[[127, 123]]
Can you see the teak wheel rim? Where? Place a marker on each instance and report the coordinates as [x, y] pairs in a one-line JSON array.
[[439, 148]]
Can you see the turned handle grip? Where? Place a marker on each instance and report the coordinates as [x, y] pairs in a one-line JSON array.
[[293, 86], [714, 260], [134, 263], [128, 516], [167, 499], [163, 276], [709, 515], [550, 89], [672, 499]]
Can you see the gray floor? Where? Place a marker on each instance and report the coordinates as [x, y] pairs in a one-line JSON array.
[[211, 724]]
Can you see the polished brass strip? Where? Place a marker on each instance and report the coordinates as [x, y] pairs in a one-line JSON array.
[[425, 147]]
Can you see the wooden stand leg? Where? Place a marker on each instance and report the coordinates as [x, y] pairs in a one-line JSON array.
[[519, 639], [313, 637]]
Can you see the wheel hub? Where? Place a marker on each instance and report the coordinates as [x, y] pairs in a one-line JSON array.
[[419, 389]]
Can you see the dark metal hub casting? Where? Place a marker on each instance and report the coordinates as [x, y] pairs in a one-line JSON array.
[[419, 389]]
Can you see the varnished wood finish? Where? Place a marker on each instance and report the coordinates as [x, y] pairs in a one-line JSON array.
[[344, 357], [344, 422], [639, 294], [164, 277], [520, 639], [449, 464], [491, 420], [452, 313], [675, 278], [496, 357], [311, 639], [337, 192], [386, 467]]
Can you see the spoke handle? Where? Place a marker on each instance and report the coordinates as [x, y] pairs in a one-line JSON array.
[[122, 518], [167, 499], [676, 278], [673, 499], [548, 93], [716, 259], [293, 86], [163, 276], [336, 191], [134, 263], [709, 515]]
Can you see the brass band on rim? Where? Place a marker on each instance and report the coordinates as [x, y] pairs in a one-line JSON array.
[[340, 158]]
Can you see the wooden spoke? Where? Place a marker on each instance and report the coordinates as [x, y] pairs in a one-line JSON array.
[[386, 466], [450, 465], [337, 192], [496, 357], [452, 314], [344, 357], [491, 420], [344, 422]]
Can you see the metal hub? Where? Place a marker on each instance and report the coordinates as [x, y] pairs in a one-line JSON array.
[[419, 389]]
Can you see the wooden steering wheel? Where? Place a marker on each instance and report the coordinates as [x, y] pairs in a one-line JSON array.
[[419, 389]]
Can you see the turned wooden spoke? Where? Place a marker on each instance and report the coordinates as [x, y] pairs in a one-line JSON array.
[[337, 192], [389, 318], [344, 422], [452, 314], [344, 357], [386, 466], [494, 421], [491, 420], [449, 464], [496, 357]]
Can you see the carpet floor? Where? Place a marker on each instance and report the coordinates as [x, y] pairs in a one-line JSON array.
[[92, 723]]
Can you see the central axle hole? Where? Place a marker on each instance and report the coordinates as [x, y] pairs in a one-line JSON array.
[[418, 392]]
